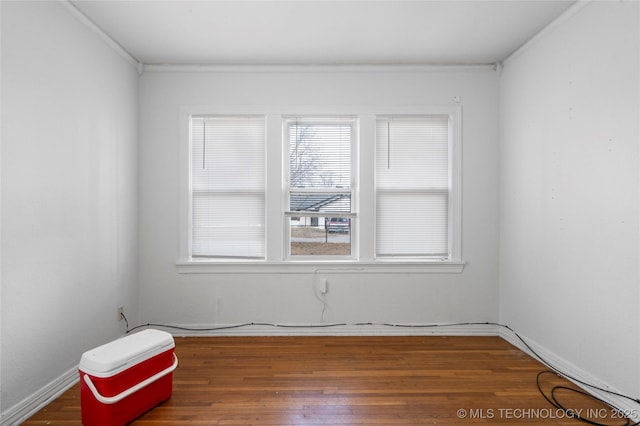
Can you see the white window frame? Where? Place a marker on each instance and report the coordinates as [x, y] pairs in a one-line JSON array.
[[363, 247]]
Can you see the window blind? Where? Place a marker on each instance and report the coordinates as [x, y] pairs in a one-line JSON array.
[[228, 186], [412, 186], [319, 154]]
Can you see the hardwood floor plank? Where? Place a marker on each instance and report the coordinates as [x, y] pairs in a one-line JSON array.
[[363, 380]]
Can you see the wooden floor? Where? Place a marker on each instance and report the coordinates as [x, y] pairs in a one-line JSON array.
[[418, 380]]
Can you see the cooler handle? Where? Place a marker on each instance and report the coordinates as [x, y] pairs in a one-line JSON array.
[[122, 395]]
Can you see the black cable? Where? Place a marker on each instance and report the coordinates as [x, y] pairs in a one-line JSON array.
[[552, 369], [224, 327], [563, 374], [126, 322], [553, 400]]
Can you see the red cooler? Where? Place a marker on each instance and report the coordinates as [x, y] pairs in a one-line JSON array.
[[123, 379]]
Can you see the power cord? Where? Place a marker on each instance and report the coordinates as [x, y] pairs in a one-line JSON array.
[[553, 400], [551, 397], [321, 294], [126, 321]]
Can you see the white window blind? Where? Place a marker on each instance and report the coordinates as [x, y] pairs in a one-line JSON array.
[[228, 186], [412, 186], [320, 165], [319, 154]]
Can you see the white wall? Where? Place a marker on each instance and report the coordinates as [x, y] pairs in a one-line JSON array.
[[569, 111], [169, 297], [69, 195]]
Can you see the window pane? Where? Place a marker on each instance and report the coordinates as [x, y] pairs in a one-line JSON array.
[[412, 152], [228, 225], [319, 155], [320, 236], [227, 153], [227, 186], [413, 224]]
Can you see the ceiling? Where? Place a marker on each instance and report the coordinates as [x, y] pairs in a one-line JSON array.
[[322, 32]]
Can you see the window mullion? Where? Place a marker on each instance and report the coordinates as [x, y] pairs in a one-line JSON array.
[[274, 202]]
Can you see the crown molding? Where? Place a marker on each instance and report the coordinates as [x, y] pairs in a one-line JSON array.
[[92, 26], [566, 15], [330, 68]]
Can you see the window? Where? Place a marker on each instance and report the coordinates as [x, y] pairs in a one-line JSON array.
[[285, 191], [412, 186], [227, 187], [320, 198]]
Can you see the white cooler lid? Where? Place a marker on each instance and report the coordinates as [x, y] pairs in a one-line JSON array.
[[118, 355]]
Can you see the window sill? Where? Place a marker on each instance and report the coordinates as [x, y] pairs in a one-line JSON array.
[[302, 267]]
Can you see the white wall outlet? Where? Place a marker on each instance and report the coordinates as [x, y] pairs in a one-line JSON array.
[[120, 313]]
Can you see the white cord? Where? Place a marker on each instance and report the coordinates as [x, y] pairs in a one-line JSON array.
[[320, 293]]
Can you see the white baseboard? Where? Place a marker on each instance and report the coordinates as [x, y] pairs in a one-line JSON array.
[[626, 407], [26, 408]]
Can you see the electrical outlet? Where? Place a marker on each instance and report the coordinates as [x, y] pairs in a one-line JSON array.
[[120, 313]]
